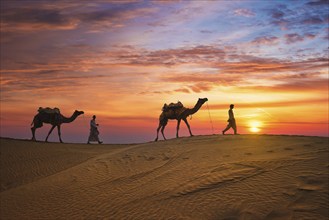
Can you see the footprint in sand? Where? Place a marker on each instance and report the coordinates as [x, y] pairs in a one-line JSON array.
[[248, 154], [270, 151], [288, 148]]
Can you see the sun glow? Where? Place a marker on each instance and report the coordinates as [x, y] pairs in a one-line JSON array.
[[254, 126]]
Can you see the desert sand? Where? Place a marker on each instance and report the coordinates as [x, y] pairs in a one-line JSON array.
[[200, 177]]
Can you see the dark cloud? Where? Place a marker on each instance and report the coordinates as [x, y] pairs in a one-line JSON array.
[[64, 15], [277, 14], [32, 19], [310, 35], [313, 20], [304, 17], [45, 81], [318, 3], [293, 38], [27, 15]]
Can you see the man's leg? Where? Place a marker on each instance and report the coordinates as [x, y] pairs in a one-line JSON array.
[[227, 127], [234, 127]]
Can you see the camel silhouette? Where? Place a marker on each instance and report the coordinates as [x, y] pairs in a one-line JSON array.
[[178, 114], [54, 119]]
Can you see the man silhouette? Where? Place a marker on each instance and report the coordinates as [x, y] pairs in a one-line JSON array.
[[231, 120], [93, 136]]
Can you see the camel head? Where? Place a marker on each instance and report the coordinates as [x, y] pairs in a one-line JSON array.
[[76, 112], [202, 100]]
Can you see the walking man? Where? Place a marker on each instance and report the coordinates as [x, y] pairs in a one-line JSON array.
[[231, 121], [93, 136]]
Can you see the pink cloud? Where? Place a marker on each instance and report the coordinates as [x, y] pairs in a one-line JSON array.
[[244, 12]]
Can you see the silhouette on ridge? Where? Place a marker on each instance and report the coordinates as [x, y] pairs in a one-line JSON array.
[[177, 112], [53, 117]]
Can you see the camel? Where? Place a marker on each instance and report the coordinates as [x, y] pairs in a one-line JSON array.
[[54, 119], [178, 114]]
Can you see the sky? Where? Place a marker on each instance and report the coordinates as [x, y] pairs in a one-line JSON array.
[[122, 60]]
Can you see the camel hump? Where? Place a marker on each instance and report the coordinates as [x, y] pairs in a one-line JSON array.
[[49, 110], [173, 106]]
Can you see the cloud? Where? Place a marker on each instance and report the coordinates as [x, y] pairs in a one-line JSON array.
[[244, 12], [277, 14], [69, 15], [266, 40], [28, 19], [206, 32], [318, 3], [290, 103], [313, 20], [300, 17], [290, 84], [183, 90], [167, 57], [294, 37], [210, 58], [113, 17]]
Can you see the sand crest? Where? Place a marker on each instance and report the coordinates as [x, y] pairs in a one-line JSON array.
[[203, 177]]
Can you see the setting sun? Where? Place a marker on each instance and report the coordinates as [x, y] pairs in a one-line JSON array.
[[254, 126]]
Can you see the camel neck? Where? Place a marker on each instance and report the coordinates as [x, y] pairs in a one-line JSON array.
[[195, 108], [70, 119]]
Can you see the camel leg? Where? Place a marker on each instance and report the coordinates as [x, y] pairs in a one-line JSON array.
[[33, 133], [188, 126], [34, 128], [59, 133], [52, 128], [163, 127], [177, 128], [156, 139]]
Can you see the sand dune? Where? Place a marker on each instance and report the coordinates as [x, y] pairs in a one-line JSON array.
[[203, 177]]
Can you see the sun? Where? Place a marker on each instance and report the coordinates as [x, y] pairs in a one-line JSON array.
[[254, 126]]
